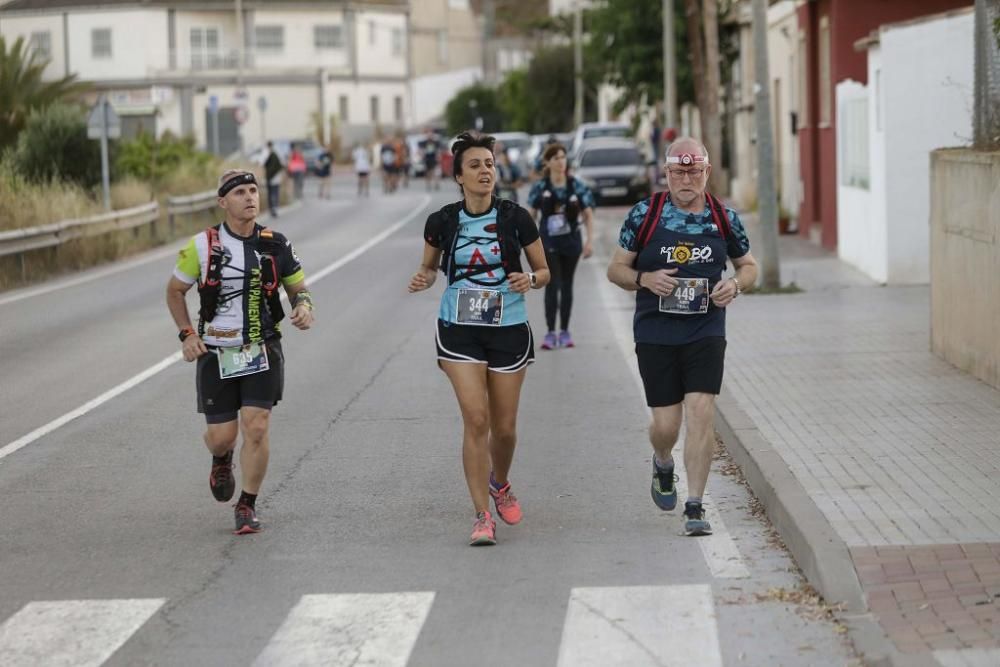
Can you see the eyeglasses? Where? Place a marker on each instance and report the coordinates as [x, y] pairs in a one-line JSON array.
[[679, 174]]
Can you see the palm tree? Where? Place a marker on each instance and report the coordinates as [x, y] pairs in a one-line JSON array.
[[22, 89]]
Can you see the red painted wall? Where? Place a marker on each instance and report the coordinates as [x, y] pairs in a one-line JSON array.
[[850, 20]]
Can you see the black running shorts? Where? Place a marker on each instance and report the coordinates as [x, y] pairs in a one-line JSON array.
[[220, 400], [503, 349], [671, 371]]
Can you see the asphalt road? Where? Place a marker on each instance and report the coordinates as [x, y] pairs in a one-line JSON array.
[[113, 551]]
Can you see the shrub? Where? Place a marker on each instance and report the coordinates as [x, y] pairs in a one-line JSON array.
[[149, 159], [54, 147]]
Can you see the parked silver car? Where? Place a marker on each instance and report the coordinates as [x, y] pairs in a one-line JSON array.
[[612, 168], [587, 131]]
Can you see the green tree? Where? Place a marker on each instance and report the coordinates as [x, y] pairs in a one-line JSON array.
[[22, 90], [626, 49], [476, 101], [539, 99], [53, 146]]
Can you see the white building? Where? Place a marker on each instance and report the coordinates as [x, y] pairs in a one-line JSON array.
[[918, 99], [784, 65], [280, 69]]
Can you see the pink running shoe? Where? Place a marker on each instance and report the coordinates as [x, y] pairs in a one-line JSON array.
[[506, 503], [550, 342], [565, 340], [484, 532]]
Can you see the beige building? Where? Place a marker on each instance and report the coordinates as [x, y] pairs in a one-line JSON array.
[[278, 70], [784, 64]]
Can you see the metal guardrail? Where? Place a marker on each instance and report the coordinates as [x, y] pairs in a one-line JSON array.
[[20, 241], [46, 236], [200, 201]]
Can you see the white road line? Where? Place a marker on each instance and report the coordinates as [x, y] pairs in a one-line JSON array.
[[969, 657], [344, 630], [80, 633], [640, 626], [721, 554], [26, 440]]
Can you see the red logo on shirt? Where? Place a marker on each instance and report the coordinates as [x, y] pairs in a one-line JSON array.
[[477, 257]]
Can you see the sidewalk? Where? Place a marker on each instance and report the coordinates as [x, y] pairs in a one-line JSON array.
[[878, 462]]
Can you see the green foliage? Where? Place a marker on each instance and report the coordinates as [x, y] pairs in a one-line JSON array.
[[626, 45], [22, 90], [476, 100], [53, 146], [514, 99], [149, 159]]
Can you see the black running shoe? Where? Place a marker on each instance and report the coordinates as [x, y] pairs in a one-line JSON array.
[[246, 520], [695, 523], [221, 481]]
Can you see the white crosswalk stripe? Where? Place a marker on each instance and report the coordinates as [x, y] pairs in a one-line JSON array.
[[71, 632], [969, 657], [373, 630], [640, 626]]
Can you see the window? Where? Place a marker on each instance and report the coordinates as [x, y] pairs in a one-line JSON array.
[[100, 42], [397, 104], [371, 33], [397, 42], [328, 37], [611, 157], [344, 116], [41, 44], [824, 71], [204, 47], [853, 138], [374, 108], [442, 44], [878, 99], [270, 38]]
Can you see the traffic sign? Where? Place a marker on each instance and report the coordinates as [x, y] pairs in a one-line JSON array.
[[262, 103], [95, 124], [241, 114], [213, 103]]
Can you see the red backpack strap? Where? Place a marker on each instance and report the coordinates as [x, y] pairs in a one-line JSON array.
[[652, 219], [216, 255], [719, 216]]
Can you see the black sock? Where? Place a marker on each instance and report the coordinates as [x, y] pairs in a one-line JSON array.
[[247, 499], [221, 460]]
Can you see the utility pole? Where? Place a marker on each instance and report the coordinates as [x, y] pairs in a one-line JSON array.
[[578, 62], [767, 201], [489, 48], [669, 68]]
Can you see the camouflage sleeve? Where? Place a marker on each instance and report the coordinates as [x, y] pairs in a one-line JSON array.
[[535, 194], [626, 239], [585, 194], [739, 232]]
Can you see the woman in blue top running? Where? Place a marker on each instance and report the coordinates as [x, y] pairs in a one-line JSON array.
[[484, 342], [560, 201]]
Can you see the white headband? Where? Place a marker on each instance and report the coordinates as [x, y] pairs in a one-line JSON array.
[[686, 158]]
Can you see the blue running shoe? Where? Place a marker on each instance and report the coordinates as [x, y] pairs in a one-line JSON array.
[[663, 489], [695, 523]]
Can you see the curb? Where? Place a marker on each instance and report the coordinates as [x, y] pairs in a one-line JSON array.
[[814, 544]]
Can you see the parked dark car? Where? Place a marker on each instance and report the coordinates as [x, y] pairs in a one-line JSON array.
[[612, 169]]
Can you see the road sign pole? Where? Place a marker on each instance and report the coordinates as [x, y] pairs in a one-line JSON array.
[[215, 130], [105, 171]]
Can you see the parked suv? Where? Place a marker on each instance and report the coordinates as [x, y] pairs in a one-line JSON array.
[[612, 169], [597, 131]]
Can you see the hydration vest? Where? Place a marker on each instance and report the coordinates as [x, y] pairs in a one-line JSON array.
[[652, 219], [446, 224], [268, 244], [572, 208]]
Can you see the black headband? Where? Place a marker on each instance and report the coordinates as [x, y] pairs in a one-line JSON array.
[[236, 181]]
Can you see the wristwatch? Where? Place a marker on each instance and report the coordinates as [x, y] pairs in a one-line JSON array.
[[533, 279], [739, 290], [184, 333], [638, 279]]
